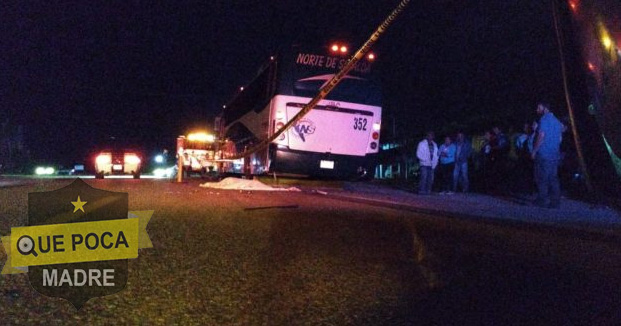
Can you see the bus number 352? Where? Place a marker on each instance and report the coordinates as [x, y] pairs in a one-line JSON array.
[[360, 124]]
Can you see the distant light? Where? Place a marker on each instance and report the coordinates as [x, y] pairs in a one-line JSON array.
[[202, 137], [605, 36], [272, 58], [591, 67], [44, 170], [159, 159], [607, 42], [224, 106], [241, 88], [335, 48], [573, 5], [343, 49], [371, 56]]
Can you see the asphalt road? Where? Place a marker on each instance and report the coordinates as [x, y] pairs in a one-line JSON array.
[[227, 257]]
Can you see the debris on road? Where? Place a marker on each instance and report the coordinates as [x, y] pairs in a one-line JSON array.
[[268, 207]]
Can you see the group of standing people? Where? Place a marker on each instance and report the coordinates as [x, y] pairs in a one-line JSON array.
[[451, 158], [538, 152]]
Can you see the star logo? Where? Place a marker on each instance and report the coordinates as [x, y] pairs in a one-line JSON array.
[[78, 205]]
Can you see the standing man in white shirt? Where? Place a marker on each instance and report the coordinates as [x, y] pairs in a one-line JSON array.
[[427, 154]]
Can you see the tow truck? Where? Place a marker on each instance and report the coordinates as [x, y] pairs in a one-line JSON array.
[[199, 153]]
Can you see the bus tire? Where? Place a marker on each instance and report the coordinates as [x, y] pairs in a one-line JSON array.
[[137, 175], [99, 175]]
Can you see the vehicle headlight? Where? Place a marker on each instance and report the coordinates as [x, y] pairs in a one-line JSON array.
[[44, 170], [132, 159], [103, 159]]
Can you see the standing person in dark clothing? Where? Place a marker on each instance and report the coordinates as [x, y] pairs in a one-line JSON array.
[[523, 177], [447, 164], [533, 135], [521, 141], [502, 141], [427, 154], [547, 155], [463, 149], [485, 160], [499, 158]]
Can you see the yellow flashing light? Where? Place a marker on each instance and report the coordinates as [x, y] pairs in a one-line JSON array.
[[607, 42], [202, 137], [605, 36]]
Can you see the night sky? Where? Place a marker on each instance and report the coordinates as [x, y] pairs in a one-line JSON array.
[[77, 73]]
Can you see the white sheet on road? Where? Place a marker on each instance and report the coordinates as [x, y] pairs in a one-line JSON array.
[[243, 184]]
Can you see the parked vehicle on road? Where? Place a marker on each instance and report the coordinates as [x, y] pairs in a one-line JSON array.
[[338, 138], [118, 162]]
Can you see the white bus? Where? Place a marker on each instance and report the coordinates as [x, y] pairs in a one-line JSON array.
[[338, 138]]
